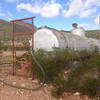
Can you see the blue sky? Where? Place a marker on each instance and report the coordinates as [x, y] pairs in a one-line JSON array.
[[59, 14]]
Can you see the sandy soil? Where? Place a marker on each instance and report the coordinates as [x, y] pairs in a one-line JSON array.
[[9, 53]]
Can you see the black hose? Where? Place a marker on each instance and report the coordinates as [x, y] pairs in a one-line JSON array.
[[32, 89], [2, 63]]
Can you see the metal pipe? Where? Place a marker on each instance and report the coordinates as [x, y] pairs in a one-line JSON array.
[[33, 46], [23, 19], [13, 39], [13, 53]]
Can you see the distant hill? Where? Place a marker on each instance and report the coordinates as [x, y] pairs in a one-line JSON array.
[[19, 27], [93, 34], [5, 27], [6, 30], [89, 33]]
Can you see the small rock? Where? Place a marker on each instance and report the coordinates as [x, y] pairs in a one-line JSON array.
[[77, 94], [65, 72], [35, 81], [23, 85], [17, 93], [45, 84]]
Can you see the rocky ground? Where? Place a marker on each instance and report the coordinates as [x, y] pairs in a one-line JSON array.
[[10, 93], [44, 93]]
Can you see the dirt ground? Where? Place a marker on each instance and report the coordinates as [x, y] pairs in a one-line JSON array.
[[9, 53], [10, 93]]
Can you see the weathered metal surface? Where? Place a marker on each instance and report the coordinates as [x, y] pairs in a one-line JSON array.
[[46, 38], [14, 34]]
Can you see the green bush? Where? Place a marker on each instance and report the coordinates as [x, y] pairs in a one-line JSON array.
[[59, 86], [83, 78], [5, 47], [1, 45], [53, 63], [90, 87]]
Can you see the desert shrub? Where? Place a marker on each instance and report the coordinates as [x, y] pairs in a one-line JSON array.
[[59, 86], [1, 45], [5, 47], [0, 51], [82, 55], [25, 56], [90, 86], [96, 49], [53, 63], [83, 78]]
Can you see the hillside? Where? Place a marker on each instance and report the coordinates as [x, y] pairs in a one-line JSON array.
[[93, 34], [6, 30], [7, 26]]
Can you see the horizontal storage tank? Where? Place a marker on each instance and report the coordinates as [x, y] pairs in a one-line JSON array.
[[46, 38]]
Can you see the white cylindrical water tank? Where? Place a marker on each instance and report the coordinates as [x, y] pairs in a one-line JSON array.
[[47, 38]]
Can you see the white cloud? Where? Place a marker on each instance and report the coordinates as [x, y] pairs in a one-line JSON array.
[[49, 9], [87, 13], [97, 19], [90, 3], [80, 8], [75, 7], [11, 0], [33, 9]]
